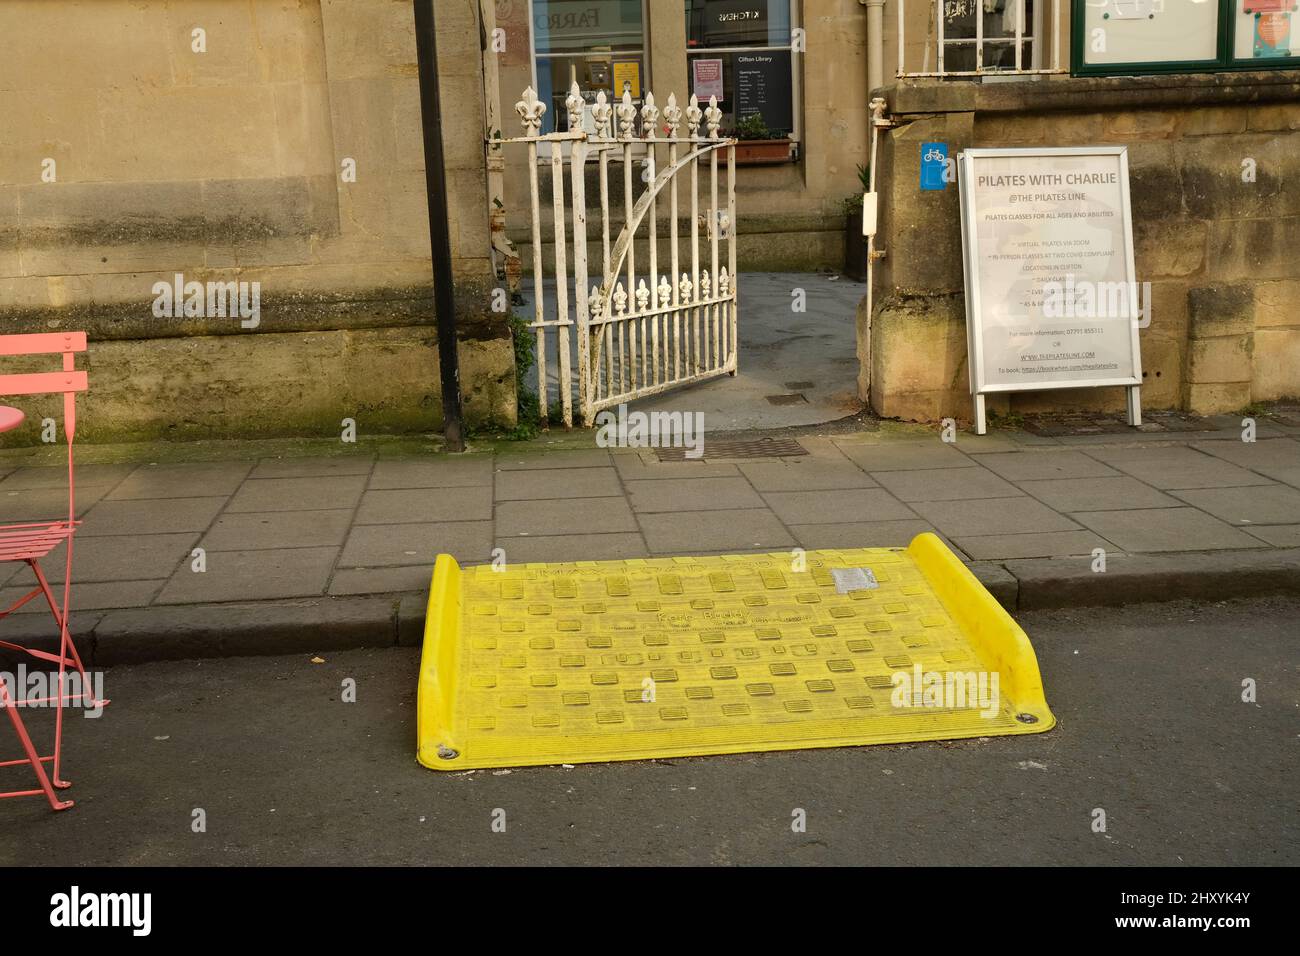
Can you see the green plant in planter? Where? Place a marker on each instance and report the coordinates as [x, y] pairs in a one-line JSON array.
[[753, 127], [854, 202]]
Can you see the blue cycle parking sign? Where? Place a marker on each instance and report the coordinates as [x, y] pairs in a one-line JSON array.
[[934, 165]]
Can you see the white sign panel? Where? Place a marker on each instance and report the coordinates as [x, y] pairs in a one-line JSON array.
[[1051, 296]]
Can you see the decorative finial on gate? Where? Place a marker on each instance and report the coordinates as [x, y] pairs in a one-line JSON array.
[[642, 296], [626, 117], [596, 303], [530, 110], [724, 281], [665, 290], [685, 287], [601, 113], [574, 104], [620, 299], [714, 117], [672, 116], [693, 116], [705, 283], [649, 116]]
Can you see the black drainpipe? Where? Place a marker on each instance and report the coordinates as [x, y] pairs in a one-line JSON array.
[[435, 184]]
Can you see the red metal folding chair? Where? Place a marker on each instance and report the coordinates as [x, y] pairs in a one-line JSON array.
[[32, 541]]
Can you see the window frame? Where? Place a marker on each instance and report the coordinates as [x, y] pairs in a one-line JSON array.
[[1036, 34], [1225, 60], [644, 54], [796, 73]]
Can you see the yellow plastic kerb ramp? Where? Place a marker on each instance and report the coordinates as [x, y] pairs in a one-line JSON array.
[[625, 660]]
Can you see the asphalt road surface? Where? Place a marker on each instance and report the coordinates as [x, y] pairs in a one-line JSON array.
[[1152, 730]]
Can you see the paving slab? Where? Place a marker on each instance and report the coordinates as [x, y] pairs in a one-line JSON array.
[[1179, 467], [89, 596], [1277, 458], [537, 483], [1266, 504], [1035, 465], [549, 459], [458, 472], [701, 531], [905, 456], [617, 546], [1280, 536], [805, 475], [1165, 529], [379, 545], [691, 494], [46, 504], [1047, 544], [287, 529], [563, 516], [298, 494], [960, 519], [190, 480], [395, 580], [972, 444], [151, 517], [252, 576], [823, 507], [947, 484], [820, 448], [425, 504], [632, 467], [44, 476], [132, 557], [1098, 494], [324, 467], [860, 534]]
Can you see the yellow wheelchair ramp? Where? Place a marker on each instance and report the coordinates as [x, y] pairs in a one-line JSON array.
[[626, 660]]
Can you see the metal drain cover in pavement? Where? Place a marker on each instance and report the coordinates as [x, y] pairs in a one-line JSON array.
[[793, 398], [669, 657], [728, 448]]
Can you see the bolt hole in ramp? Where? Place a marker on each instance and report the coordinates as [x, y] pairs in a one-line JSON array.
[[625, 660]]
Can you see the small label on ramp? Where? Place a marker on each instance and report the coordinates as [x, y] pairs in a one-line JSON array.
[[853, 579]]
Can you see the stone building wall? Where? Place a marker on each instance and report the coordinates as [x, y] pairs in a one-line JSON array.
[[128, 156], [1218, 251]]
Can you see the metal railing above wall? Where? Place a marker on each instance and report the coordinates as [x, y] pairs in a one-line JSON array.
[[1024, 37]]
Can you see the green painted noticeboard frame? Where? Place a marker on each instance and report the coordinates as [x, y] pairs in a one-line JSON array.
[[1223, 61]]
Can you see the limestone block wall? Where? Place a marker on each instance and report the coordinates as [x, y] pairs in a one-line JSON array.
[[1217, 249], [216, 139]]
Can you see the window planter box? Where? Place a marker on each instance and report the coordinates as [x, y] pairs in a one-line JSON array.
[[763, 152]]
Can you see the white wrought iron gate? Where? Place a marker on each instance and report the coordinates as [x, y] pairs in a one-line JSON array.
[[638, 332]]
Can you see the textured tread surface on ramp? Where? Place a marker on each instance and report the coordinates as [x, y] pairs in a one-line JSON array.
[[621, 660]]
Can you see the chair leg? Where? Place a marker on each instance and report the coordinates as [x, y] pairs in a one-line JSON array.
[[87, 686], [66, 648], [7, 704]]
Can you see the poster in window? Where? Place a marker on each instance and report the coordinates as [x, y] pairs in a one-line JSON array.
[[1265, 30], [762, 85], [627, 78], [706, 78]]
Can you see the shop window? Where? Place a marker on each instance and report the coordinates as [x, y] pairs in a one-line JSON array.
[[742, 52], [1000, 19], [599, 43], [1181, 36]]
